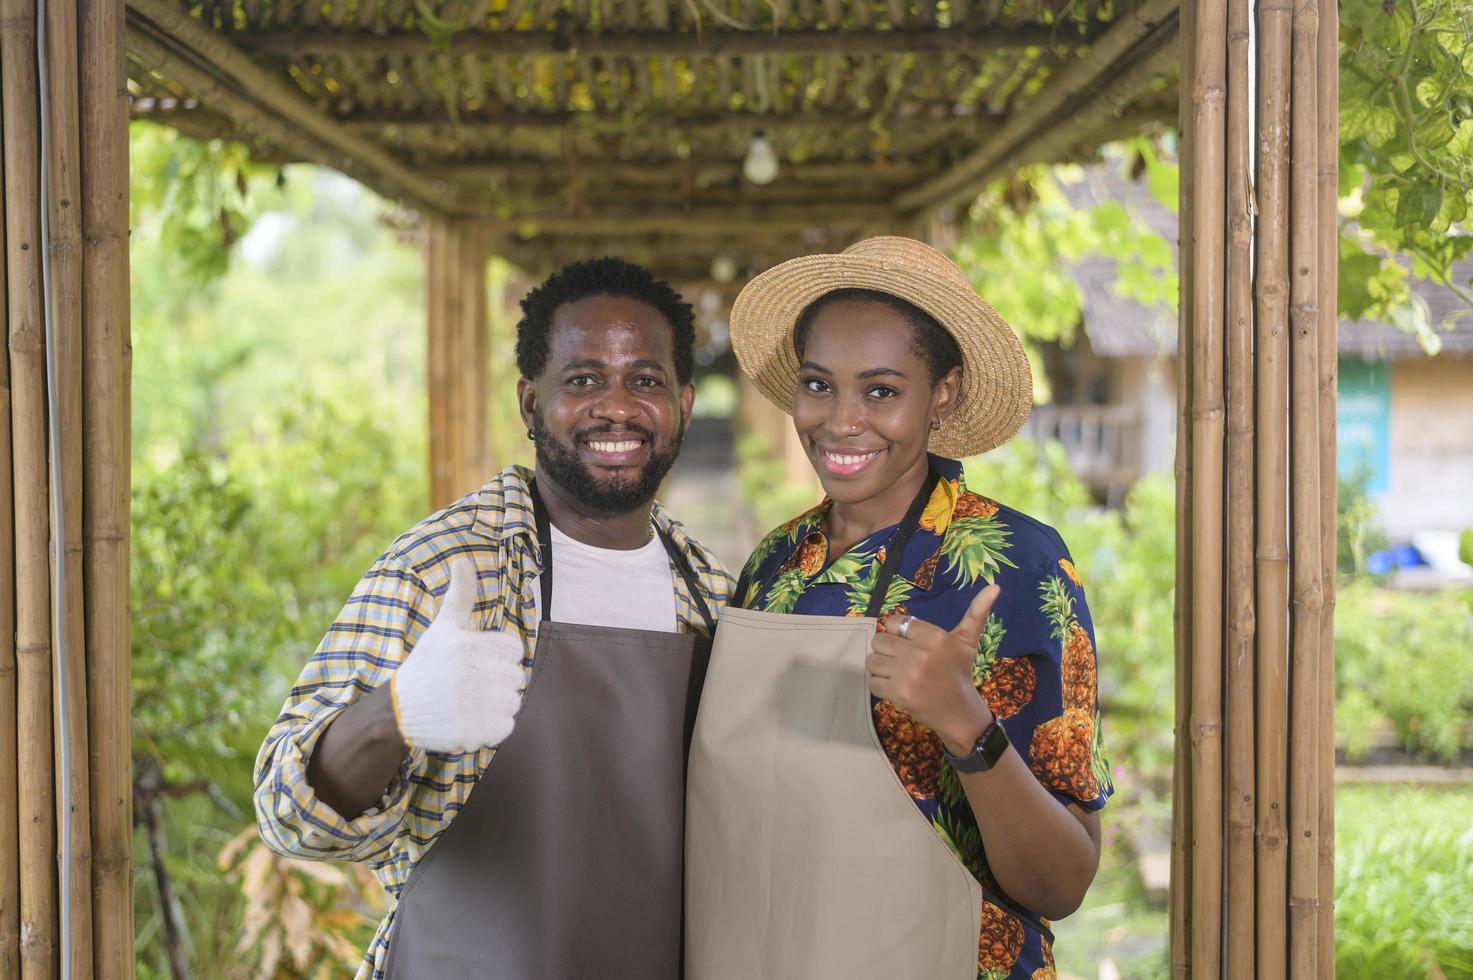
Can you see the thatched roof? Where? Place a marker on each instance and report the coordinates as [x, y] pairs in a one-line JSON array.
[[579, 127]]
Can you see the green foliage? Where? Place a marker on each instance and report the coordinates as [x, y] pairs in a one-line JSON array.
[[1025, 235], [193, 199], [278, 440], [1406, 149], [1402, 660], [1403, 883]]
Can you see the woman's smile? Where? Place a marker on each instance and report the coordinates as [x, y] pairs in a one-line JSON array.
[[851, 462]]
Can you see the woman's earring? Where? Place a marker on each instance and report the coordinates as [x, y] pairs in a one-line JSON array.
[[935, 424]]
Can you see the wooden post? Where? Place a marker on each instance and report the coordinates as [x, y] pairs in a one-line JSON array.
[[1276, 362], [1209, 89], [1328, 92], [1240, 728], [55, 737], [107, 435], [64, 221], [455, 305], [1182, 777], [37, 817], [1273, 485], [9, 783], [1307, 558]]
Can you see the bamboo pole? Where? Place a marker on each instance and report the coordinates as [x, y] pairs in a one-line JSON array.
[[1181, 783], [350, 153], [1207, 315], [9, 781], [1240, 727], [1307, 555], [107, 437], [1272, 600], [63, 171], [19, 117], [1328, 92]]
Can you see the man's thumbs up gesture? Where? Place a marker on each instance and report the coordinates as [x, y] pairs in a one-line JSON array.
[[926, 672], [459, 689]]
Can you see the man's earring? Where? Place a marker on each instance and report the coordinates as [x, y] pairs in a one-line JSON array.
[[530, 436]]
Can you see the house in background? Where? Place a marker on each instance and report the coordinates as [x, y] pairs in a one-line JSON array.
[[1405, 419]]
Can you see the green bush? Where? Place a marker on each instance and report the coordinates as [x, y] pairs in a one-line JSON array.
[[1403, 883], [1402, 660], [241, 559]]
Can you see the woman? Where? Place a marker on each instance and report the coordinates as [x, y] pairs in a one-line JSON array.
[[807, 855]]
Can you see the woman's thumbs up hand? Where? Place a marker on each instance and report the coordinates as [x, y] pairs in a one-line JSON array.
[[926, 672], [460, 688]]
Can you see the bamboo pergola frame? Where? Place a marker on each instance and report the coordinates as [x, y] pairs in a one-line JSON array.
[[554, 130]]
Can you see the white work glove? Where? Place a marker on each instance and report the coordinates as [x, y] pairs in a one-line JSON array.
[[460, 688]]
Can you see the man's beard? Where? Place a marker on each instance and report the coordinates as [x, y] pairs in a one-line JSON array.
[[609, 496]]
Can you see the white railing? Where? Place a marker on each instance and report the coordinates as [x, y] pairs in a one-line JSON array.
[[1101, 443]]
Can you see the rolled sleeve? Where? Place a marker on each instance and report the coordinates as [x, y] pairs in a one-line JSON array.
[[371, 636]]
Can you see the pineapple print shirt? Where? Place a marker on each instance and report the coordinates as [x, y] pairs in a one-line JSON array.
[[1035, 665], [379, 625]]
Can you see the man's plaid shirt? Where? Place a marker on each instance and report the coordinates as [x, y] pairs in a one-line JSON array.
[[383, 618]]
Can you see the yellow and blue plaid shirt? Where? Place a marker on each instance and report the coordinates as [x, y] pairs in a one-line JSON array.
[[380, 624]]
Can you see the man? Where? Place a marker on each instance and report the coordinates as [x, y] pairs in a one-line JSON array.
[[508, 754]]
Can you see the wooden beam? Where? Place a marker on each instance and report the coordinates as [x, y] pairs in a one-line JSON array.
[[664, 173], [1105, 116], [634, 219], [1090, 73], [434, 120], [216, 57], [714, 43]]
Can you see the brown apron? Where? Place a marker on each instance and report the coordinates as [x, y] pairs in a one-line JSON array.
[[566, 859], [805, 857]]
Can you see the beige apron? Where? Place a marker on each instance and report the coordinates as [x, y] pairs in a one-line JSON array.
[[805, 857]]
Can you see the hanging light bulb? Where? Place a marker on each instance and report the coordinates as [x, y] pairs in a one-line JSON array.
[[760, 166], [723, 268]]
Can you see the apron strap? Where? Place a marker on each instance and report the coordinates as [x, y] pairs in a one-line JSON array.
[[544, 544], [908, 527]]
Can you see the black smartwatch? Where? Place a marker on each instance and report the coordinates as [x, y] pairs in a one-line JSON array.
[[989, 747]]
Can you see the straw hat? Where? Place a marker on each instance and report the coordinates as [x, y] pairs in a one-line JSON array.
[[997, 385]]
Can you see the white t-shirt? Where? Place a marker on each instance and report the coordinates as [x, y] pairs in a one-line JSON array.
[[607, 587]]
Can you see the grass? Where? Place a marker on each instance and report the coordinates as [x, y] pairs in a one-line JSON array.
[[1403, 894], [1404, 882]]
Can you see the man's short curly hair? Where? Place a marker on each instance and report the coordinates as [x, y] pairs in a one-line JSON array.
[[601, 277]]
